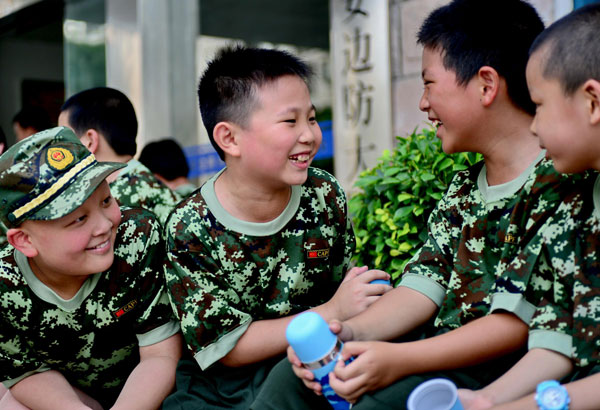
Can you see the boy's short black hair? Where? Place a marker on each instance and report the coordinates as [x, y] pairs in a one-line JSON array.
[[573, 53], [227, 89], [165, 158], [109, 112], [476, 33], [33, 116]]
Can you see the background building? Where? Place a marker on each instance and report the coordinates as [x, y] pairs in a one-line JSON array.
[[363, 51]]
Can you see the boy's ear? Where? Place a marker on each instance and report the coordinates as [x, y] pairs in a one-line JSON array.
[[21, 241], [591, 92], [91, 140], [489, 84], [225, 135]]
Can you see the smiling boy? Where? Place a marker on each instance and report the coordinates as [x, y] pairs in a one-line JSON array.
[[263, 240], [85, 321], [563, 75]]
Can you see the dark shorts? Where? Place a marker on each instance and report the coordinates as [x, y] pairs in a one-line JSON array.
[[283, 390], [218, 387]]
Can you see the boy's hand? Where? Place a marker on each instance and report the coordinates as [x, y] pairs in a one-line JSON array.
[[474, 400], [307, 377], [371, 369], [356, 293], [343, 331]]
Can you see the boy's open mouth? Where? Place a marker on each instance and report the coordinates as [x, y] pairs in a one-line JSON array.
[[99, 246], [437, 123], [299, 158]]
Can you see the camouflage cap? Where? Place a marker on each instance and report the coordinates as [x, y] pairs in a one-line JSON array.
[[47, 176]]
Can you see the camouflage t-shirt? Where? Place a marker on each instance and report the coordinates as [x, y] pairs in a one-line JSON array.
[[137, 187], [568, 319], [227, 272], [93, 338], [480, 255]]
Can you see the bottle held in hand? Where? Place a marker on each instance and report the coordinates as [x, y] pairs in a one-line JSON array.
[[318, 349]]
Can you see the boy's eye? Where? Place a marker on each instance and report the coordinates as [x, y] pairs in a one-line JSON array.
[[78, 220], [107, 200], [290, 121], [312, 119]]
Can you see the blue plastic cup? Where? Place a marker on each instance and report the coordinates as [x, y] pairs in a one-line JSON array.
[[381, 281], [434, 394], [318, 349]]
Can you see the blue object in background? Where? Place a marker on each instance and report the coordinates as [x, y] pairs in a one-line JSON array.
[[326, 150], [204, 161], [581, 3]]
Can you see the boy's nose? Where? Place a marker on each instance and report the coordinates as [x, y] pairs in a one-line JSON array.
[[310, 134], [423, 103], [103, 225], [532, 127]]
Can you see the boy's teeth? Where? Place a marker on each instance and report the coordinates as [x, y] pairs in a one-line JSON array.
[[101, 245], [303, 157]]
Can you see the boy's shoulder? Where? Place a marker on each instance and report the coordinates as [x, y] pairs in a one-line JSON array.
[[11, 278], [139, 228], [200, 213], [137, 179]]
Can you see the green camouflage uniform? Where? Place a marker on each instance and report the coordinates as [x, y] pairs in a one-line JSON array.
[[482, 251], [137, 187], [93, 338], [481, 256], [185, 190], [227, 272], [568, 319]]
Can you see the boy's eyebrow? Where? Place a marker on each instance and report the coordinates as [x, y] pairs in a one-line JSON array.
[[295, 110]]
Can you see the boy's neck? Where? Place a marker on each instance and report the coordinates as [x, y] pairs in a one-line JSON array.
[[250, 202], [511, 147], [64, 286]]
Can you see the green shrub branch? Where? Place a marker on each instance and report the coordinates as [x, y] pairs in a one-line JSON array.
[[395, 198]]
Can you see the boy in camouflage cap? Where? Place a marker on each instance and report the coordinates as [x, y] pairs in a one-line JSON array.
[[469, 293], [263, 240], [563, 74], [85, 317], [104, 120]]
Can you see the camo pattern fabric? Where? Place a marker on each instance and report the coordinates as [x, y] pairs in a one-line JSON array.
[[90, 339], [478, 250], [572, 305], [137, 187], [220, 280]]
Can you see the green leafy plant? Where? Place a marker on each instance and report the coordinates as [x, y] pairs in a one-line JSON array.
[[395, 198]]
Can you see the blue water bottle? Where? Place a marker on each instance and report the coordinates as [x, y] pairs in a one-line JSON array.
[[318, 349]]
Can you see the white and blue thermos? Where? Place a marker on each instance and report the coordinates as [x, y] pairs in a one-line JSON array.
[[318, 349]]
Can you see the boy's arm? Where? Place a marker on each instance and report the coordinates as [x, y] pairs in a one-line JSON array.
[[266, 338], [377, 364], [535, 367], [394, 314], [153, 378], [50, 390]]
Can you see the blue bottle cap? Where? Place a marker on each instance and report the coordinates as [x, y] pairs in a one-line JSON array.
[[310, 337], [381, 281]]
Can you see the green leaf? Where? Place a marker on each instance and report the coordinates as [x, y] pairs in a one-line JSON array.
[[426, 176], [404, 196]]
